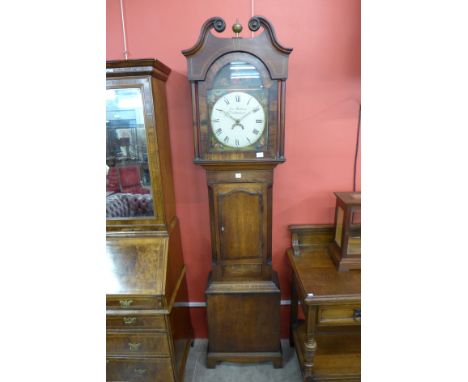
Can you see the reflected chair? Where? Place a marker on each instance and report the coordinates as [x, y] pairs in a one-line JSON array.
[[130, 180], [112, 180]]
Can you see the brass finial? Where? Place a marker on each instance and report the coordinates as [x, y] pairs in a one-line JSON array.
[[237, 28]]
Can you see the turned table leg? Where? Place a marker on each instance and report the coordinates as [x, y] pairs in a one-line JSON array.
[[310, 343]]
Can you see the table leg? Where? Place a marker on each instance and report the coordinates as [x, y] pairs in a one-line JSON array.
[[310, 343], [293, 312]]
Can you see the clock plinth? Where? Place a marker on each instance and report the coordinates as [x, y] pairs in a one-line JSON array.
[[238, 97], [243, 321]]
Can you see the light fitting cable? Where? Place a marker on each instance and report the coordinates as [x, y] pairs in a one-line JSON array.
[[358, 135], [252, 15], [123, 30]]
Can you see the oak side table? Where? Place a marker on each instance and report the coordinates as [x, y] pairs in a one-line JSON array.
[[326, 328]]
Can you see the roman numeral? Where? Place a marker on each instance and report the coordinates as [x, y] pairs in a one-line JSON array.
[[255, 131], [237, 98], [219, 131], [250, 99], [226, 139], [259, 121], [256, 109], [237, 142], [215, 120], [248, 139], [226, 100]]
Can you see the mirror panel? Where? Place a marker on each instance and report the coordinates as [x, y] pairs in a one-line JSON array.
[[128, 182]]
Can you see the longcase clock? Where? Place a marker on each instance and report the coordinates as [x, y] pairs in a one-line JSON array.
[[238, 91]]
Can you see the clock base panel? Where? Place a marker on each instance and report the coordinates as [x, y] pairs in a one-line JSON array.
[[244, 321]]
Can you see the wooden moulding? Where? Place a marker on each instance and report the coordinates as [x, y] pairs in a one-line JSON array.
[[209, 48], [275, 357], [144, 66], [247, 287], [232, 165]]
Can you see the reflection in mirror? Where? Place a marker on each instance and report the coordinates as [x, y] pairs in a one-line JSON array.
[[128, 183]]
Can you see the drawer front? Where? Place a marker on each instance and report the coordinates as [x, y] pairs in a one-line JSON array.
[[134, 321], [135, 370], [137, 344], [340, 315], [132, 302]]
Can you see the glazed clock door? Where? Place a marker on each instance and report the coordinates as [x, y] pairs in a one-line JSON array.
[[241, 224], [238, 109]]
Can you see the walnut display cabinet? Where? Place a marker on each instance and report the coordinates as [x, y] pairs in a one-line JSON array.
[[238, 101], [148, 330]]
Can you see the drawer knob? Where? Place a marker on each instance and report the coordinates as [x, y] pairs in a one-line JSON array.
[[139, 372], [129, 320], [134, 346], [357, 314], [125, 303]]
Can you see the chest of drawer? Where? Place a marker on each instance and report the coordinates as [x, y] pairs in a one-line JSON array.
[[135, 321], [152, 370], [340, 315], [137, 344], [133, 302]]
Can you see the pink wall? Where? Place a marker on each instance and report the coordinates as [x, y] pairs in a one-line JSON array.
[[323, 96]]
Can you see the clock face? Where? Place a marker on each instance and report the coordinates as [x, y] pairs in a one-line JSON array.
[[237, 119]]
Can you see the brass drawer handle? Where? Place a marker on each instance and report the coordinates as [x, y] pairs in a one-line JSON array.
[[134, 346], [139, 372], [357, 314], [125, 303], [129, 320]]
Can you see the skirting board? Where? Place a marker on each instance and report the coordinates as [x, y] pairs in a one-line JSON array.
[[193, 304]]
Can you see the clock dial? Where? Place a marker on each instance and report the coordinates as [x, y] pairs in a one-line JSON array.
[[237, 119]]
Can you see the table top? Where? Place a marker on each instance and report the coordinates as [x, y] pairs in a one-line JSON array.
[[319, 279]]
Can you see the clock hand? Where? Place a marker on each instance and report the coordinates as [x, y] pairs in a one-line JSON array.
[[245, 115], [228, 115]]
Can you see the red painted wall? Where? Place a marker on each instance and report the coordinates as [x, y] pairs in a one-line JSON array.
[[323, 96]]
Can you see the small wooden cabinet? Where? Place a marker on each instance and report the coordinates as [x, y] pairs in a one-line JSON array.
[[326, 327], [148, 330]]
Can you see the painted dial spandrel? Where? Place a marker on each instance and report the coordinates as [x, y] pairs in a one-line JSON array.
[[237, 119]]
